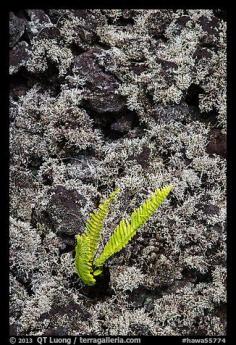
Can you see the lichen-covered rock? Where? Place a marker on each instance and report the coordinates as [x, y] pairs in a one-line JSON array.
[[49, 32], [124, 124], [62, 213], [38, 21], [18, 57], [102, 97], [16, 28], [217, 143], [128, 98]]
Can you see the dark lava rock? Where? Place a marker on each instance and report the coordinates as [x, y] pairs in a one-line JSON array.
[[202, 53], [196, 277], [58, 331], [85, 34], [121, 125], [13, 330], [128, 13], [21, 180], [167, 65], [63, 213], [167, 70], [158, 23], [139, 68], [124, 124], [55, 15], [91, 19], [102, 98], [116, 125], [221, 311], [143, 297], [177, 113], [192, 95], [210, 28], [143, 157], [87, 66], [208, 209], [24, 278], [100, 290], [59, 309], [18, 56], [111, 103], [34, 163], [138, 329], [16, 29], [102, 287], [38, 20], [183, 20], [47, 177], [38, 16], [51, 32], [66, 244], [209, 25], [17, 91], [217, 143]]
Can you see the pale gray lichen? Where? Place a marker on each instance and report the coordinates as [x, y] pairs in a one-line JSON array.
[[128, 98]]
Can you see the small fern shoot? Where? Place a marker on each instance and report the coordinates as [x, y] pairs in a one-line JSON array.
[[87, 265], [87, 243]]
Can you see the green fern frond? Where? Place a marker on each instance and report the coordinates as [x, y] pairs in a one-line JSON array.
[[95, 222], [88, 242], [86, 265], [83, 262], [128, 228]]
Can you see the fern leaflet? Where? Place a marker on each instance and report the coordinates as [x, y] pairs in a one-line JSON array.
[[88, 242], [128, 228]]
